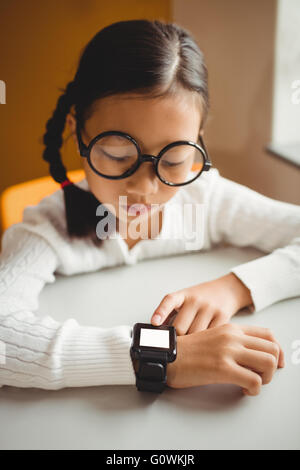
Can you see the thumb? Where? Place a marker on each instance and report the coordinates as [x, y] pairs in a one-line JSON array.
[[167, 305]]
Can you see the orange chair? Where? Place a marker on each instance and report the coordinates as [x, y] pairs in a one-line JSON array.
[[14, 199]]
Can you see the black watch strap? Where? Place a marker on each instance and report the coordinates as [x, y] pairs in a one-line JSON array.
[[151, 373]]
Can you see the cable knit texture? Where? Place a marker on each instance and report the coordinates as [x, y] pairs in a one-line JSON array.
[[38, 351]]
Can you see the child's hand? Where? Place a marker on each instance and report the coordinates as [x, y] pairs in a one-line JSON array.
[[243, 355], [204, 305]]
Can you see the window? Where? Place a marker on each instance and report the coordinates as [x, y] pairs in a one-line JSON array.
[[285, 140]]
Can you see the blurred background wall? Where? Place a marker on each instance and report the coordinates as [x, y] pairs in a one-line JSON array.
[[40, 46], [238, 40]]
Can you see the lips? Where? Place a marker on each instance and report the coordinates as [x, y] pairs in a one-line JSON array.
[[136, 209], [139, 206]]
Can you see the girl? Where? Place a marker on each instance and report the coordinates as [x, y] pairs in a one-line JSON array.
[[136, 108]]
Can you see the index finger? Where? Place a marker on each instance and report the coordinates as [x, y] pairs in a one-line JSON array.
[[167, 305]]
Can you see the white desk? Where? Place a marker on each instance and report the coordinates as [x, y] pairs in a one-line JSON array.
[[120, 417]]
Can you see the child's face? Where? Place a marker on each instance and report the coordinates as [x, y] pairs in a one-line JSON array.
[[153, 123]]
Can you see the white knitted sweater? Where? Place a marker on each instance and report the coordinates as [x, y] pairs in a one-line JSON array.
[[38, 351]]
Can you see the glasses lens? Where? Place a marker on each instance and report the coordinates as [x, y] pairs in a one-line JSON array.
[[113, 155], [180, 164]]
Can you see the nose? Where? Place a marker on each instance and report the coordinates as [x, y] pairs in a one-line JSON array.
[[144, 182]]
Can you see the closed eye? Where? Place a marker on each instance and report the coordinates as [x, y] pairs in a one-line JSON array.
[[172, 164], [118, 159]]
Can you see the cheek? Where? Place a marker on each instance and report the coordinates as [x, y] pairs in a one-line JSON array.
[[108, 191], [100, 187], [104, 190]]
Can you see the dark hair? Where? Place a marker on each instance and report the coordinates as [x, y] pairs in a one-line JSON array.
[[141, 57]]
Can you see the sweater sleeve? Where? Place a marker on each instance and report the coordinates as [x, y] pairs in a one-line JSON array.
[[38, 351], [241, 216]]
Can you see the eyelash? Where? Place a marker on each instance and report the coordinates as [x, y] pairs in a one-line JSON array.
[[120, 160], [116, 158]]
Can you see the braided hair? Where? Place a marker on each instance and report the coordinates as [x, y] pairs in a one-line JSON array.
[[80, 205], [153, 59]]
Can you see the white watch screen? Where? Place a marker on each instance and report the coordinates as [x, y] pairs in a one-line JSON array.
[[155, 338]]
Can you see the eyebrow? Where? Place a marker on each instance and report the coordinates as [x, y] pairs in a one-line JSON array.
[[139, 141]]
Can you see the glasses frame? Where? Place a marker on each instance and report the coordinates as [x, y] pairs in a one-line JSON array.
[[85, 152]]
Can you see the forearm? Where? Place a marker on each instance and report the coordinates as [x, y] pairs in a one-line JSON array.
[[240, 292], [38, 351], [43, 353]]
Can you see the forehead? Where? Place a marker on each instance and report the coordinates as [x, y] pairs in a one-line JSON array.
[[151, 121]]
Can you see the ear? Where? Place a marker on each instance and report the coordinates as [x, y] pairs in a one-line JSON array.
[[71, 123]]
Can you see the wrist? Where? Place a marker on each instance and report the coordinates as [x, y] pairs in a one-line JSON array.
[[241, 293], [173, 367], [171, 373]]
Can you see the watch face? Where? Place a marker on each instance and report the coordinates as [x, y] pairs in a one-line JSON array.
[[155, 338], [147, 337]]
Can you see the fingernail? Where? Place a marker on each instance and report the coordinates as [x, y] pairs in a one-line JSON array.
[[156, 318]]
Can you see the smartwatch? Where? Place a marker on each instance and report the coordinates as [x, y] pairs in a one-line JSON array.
[[151, 349]]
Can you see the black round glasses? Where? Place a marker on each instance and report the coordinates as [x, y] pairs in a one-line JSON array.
[[116, 155]]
